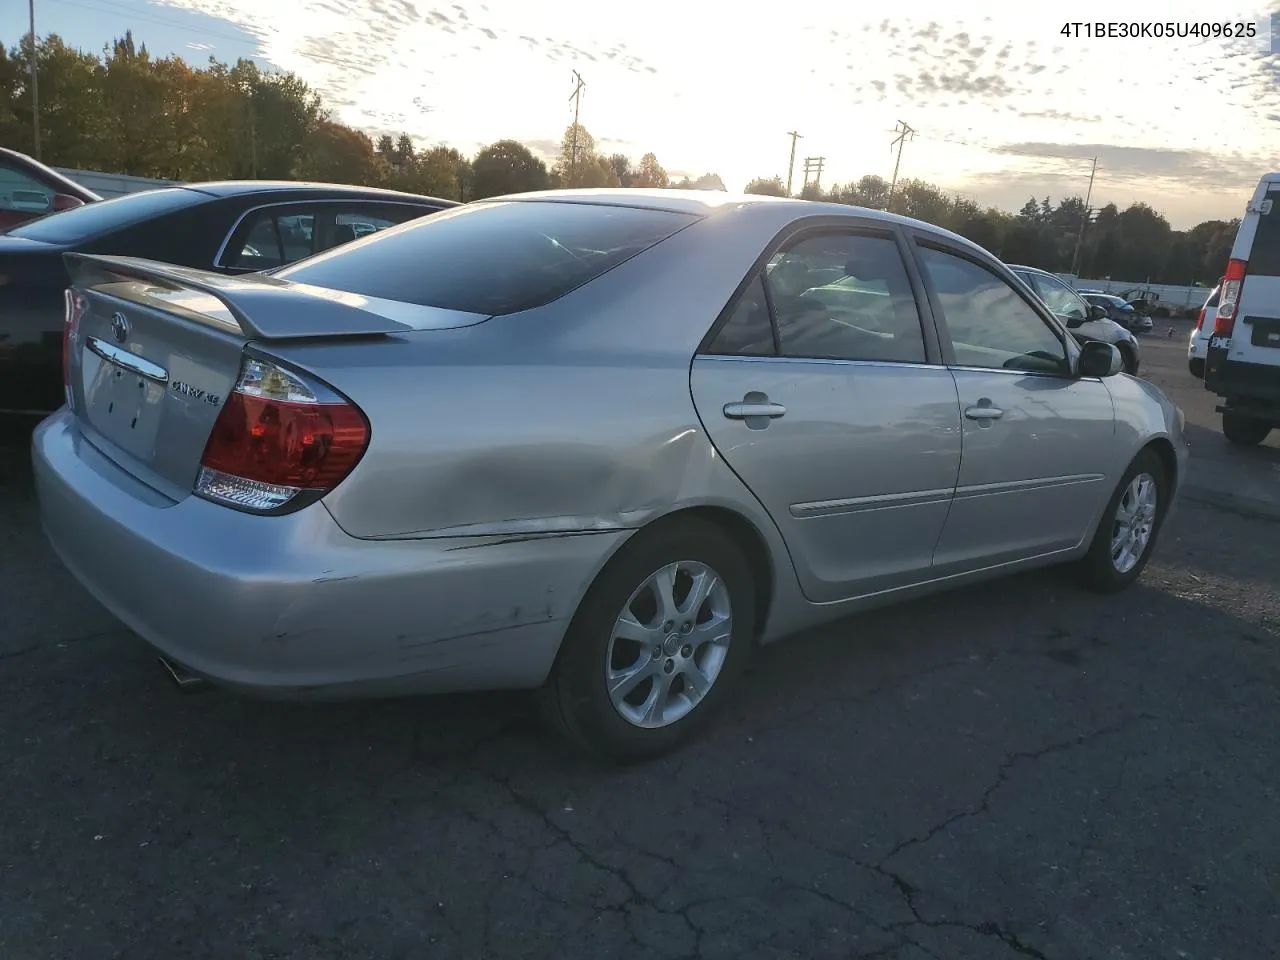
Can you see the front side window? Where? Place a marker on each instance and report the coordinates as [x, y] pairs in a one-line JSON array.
[[990, 324]]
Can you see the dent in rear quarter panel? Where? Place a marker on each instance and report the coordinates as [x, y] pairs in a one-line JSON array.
[[572, 417]]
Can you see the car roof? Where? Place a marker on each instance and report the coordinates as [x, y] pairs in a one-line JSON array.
[[1019, 266], [238, 188], [707, 202]]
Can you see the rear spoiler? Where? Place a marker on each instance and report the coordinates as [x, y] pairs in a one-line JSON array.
[[264, 308]]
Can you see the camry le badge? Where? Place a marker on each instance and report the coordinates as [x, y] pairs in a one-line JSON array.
[[119, 328]]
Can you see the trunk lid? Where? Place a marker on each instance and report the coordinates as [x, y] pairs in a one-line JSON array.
[[158, 349]]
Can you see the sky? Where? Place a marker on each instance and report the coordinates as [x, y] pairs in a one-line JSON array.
[[1003, 105]]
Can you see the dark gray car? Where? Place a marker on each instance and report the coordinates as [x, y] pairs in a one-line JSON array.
[[1086, 321]]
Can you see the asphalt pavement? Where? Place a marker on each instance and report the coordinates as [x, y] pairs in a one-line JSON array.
[[1020, 769]]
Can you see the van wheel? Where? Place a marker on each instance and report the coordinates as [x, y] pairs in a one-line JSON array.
[[1197, 367], [658, 644], [1244, 431], [1127, 532]]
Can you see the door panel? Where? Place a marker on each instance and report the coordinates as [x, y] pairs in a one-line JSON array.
[[857, 473], [1032, 477], [1038, 441]]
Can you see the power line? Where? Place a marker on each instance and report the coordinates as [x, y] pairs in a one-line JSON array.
[[107, 6]]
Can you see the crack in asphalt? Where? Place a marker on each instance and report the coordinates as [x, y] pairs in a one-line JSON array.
[[988, 928]]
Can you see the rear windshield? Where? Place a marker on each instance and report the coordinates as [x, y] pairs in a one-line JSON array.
[[491, 258], [1213, 298], [103, 216], [1264, 258]]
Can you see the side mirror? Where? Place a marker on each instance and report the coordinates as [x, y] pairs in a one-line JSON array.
[[1096, 312], [64, 201], [1098, 359]]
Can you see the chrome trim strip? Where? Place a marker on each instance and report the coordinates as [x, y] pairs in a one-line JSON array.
[[895, 364], [919, 498], [1017, 486], [351, 201], [886, 501], [128, 361]]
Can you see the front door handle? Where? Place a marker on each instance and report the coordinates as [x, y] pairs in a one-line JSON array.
[[747, 411], [984, 412]]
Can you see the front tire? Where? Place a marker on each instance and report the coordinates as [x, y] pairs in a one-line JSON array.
[[1130, 360], [1244, 431], [1197, 367], [1127, 532], [658, 644]]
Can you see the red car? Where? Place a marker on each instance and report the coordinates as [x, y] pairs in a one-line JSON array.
[[29, 189]]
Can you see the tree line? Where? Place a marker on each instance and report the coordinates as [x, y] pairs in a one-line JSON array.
[[126, 111], [1135, 244]]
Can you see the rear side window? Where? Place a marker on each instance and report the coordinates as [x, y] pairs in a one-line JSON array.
[[103, 216], [1264, 258], [491, 258], [1213, 298]]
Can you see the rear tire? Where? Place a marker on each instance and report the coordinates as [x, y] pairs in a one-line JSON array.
[[1129, 527], [1196, 365], [1244, 431], [671, 666]]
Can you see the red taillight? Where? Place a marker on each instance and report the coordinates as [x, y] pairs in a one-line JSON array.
[[74, 310], [278, 436], [1229, 297], [1200, 320]]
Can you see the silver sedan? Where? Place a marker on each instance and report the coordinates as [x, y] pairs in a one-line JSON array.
[[599, 444]]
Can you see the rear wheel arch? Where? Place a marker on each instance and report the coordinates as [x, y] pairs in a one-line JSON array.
[[746, 535]]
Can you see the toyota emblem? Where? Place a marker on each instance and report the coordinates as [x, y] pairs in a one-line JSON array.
[[119, 328]]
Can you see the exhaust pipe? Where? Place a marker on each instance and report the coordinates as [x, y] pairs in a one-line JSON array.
[[183, 678]]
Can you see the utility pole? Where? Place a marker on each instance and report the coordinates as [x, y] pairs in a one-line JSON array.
[[904, 133], [792, 165], [813, 165], [35, 82], [576, 97], [1084, 218]]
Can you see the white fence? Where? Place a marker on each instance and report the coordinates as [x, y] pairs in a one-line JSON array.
[[108, 185]]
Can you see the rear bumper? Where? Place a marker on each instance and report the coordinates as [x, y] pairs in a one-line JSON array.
[[1255, 385], [294, 607]]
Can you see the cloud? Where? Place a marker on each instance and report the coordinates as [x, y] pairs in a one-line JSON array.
[[1199, 169], [709, 95]]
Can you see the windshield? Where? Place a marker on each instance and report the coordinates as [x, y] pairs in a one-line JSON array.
[[94, 219], [490, 258]]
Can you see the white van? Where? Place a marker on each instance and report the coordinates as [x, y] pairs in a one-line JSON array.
[[1242, 364]]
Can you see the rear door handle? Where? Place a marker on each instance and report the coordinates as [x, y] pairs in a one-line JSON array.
[[984, 414], [745, 410]]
